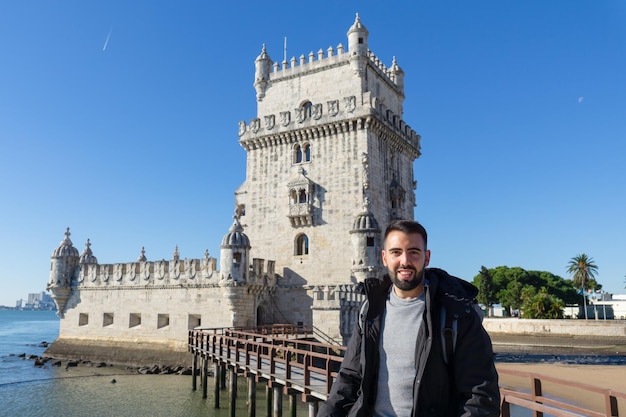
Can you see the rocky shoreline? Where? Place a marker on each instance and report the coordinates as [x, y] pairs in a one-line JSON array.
[[153, 369]]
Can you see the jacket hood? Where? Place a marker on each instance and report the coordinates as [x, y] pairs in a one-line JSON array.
[[447, 285]]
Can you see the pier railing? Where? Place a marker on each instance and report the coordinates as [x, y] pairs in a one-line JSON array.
[[286, 357], [292, 363], [544, 397]]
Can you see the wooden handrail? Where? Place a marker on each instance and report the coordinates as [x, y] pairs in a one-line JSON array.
[[289, 347]]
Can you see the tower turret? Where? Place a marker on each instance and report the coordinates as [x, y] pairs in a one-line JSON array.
[[365, 237], [87, 258], [357, 46], [63, 269], [397, 75], [234, 255], [262, 69]]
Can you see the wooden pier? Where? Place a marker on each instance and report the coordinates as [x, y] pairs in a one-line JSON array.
[[292, 363], [285, 357]]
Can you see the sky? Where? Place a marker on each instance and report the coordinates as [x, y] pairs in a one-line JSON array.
[[119, 120]]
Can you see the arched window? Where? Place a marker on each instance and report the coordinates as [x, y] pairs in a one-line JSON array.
[[306, 152], [297, 154], [302, 245], [293, 196], [302, 196]]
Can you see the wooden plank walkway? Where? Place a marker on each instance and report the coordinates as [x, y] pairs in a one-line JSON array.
[[285, 357], [292, 363]]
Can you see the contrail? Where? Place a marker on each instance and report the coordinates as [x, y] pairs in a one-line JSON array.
[[106, 42]]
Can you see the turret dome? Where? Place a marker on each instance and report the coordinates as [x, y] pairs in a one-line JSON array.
[[235, 237], [87, 256], [365, 221], [65, 247]]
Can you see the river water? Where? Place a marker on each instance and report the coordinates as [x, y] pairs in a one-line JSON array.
[[26, 390]]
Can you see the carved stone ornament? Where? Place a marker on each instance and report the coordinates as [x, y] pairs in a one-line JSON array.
[[145, 270], [93, 272], [242, 128], [285, 118], [300, 114], [175, 269], [131, 271], [333, 107], [160, 269], [350, 103], [317, 111], [255, 125], [270, 121], [118, 273]]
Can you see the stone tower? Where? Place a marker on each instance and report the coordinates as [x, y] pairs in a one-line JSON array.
[[329, 164]]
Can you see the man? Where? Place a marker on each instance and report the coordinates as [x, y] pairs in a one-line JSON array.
[[398, 362]]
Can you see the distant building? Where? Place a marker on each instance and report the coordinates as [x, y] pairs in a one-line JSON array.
[[329, 164]]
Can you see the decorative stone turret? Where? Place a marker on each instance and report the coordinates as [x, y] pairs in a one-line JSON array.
[[357, 46], [87, 258], [365, 236], [263, 67], [63, 269], [234, 255]]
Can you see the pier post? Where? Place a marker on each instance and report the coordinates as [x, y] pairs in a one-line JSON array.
[[194, 371], [216, 387], [251, 395], [223, 377], [537, 392], [292, 404], [313, 408], [278, 401], [233, 391], [268, 400], [205, 373]]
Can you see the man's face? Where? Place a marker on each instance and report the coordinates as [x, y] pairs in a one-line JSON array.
[[406, 258]]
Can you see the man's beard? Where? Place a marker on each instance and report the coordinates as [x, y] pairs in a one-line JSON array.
[[418, 278]]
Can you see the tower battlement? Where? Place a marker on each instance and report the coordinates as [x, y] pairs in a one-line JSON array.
[[345, 113]]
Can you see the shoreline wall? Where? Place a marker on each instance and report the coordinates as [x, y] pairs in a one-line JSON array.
[[592, 337], [126, 353]]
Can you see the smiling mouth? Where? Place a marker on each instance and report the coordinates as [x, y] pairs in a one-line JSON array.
[[405, 273]]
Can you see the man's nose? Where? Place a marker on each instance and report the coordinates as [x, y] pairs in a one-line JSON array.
[[403, 258]]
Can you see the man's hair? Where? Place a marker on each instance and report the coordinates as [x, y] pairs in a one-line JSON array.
[[407, 227]]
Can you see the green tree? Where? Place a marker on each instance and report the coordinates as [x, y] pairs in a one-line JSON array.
[[540, 304], [508, 284], [511, 296], [583, 271], [486, 295]]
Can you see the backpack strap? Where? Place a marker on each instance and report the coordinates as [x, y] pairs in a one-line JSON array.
[[448, 335]]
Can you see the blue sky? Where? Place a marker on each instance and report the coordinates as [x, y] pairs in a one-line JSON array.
[[119, 120]]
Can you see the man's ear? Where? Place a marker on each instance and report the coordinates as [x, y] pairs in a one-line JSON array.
[[384, 257], [427, 261]]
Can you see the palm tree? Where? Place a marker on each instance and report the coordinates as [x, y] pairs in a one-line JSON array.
[[583, 270]]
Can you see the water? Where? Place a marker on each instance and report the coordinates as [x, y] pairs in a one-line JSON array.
[[26, 390]]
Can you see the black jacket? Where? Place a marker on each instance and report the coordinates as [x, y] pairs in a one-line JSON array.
[[467, 386]]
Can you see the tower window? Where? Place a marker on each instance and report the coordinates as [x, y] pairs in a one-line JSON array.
[[237, 257], [370, 241], [302, 196], [302, 245], [301, 153], [306, 152], [297, 154]]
